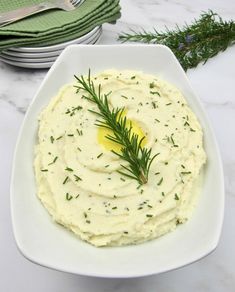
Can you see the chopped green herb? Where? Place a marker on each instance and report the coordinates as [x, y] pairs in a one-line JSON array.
[[68, 169], [186, 172], [125, 232], [169, 103], [157, 120], [163, 194], [80, 133], [154, 104], [70, 135], [72, 111], [182, 166], [114, 208], [99, 155], [59, 138], [151, 85], [65, 181], [68, 197], [88, 221], [150, 206], [132, 77], [44, 170], [172, 140], [52, 139], [149, 215], [54, 160], [77, 178], [79, 149], [85, 214], [124, 96], [176, 197], [160, 181], [155, 92]]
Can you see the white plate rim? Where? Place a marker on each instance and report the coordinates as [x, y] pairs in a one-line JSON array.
[[38, 59], [42, 65]]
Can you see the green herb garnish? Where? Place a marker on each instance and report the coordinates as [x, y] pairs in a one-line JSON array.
[[54, 160], [77, 178], [151, 85], [155, 92], [65, 181], [176, 197], [124, 96], [52, 139], [80, 133], [192, 44], [185, 172], [98, 156], [160, 181], [68, 197], [138, 157]]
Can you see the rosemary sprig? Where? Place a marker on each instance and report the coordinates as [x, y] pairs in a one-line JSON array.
[[138, 157], [194, 43]]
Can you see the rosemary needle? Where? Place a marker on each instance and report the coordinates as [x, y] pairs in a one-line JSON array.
[[138, 157]]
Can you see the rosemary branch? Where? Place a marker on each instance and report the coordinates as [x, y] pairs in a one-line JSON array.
[[194, 43], [138, 157]]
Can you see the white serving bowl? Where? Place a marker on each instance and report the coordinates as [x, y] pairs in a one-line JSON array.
[[44, 242]]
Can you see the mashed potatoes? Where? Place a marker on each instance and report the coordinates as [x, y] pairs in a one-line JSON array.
[[76, 172]]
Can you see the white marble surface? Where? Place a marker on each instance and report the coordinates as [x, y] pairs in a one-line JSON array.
[[214, 84]]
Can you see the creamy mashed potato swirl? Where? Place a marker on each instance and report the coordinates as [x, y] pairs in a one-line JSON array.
[[76, 173]]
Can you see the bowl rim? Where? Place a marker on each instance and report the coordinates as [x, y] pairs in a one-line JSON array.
[[31, 258]]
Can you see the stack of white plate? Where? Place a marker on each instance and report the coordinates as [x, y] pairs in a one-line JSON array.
[[44, 57]]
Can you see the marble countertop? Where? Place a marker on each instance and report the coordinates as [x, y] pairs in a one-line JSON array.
[[213, 83]]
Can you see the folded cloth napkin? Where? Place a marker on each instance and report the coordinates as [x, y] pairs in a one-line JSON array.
[[55, 26]]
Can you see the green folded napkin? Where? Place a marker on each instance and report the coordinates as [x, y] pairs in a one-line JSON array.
[[55, 26]]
